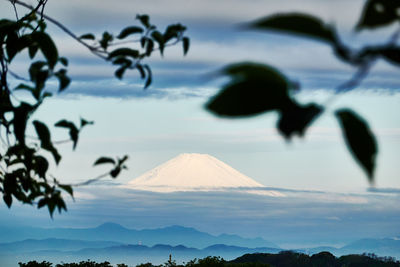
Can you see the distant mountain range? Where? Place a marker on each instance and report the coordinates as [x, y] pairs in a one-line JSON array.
[[62, 250], [172, 235], [117, 244]]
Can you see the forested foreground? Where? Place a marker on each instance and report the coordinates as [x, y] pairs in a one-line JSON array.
[[283, 259]]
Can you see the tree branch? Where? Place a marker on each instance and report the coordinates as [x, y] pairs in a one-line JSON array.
[[61, 26]]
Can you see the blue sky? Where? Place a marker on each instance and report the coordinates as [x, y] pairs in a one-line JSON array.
[[155, 125]]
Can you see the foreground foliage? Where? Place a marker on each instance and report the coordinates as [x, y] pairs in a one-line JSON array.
[[27, 149], [282, 259], [255, 88]]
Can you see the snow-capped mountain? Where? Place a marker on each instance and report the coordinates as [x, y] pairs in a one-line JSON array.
[[196, 172]]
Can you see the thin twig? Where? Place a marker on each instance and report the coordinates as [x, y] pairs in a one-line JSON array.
[[62, 27], [87, 182], [15, 10], [18, 77]]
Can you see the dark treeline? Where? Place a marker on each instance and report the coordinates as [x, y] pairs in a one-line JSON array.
[[282, 259]]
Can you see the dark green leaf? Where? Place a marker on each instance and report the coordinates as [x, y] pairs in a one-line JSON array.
[[149, 76], [186, 44], [23, 86], [73, 130], [63, 79], [124, 52], [141, 71], [296, 118], [378, 13], [51, 206], [47, 47], [122, 61], [297, 23], [106, 40], [103, 160], [45, 139], [149, 47], [67, 188], [8, 200], [21, 115], [63, 61], [32, 49], [115, 172], [122, 160], [391, 54], [128, 31], [40, 165], [253, 89], [12, 45], [43, 133], [87, 36], [158, 37], [85, 122], [119, 73], [42, 202], [359, 140], [144, 19]]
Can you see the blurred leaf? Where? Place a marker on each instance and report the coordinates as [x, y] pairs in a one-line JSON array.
[[359, 140], [32, 49], [73, 130], [297, 23], [297, 118], [378, 13], [149, 47], [63, 79], [16, 44], [144, 19], [87, 36], [21, 115], [106, 40], [158, 37], [7, 199], [41, 165], [254, 89], [149, 76], [67, 188], [124, 52], [42, 202], [122, 160], [186, 44], [128, 31], [103, 160], [391, 54], [47, 47], [85, 122], [119, 73], [63, 61], [45, 139], [141, 71], [115, 172]]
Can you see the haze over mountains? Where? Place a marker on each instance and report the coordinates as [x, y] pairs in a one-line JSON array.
[[196, 172], [172, 235], [115, 243]]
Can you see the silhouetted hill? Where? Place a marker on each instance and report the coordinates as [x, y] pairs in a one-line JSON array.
[[128, 253], [325, 259]]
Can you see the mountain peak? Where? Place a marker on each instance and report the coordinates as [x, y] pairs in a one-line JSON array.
[[111, 226], [195, 172]]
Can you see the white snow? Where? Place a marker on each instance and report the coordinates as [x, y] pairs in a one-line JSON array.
[[196, 172]]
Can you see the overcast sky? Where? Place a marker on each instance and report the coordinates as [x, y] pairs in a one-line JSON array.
[[155, 125]]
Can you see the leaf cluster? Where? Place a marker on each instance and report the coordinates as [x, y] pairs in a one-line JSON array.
[[25, 160], [256, 88], [143, 40]]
